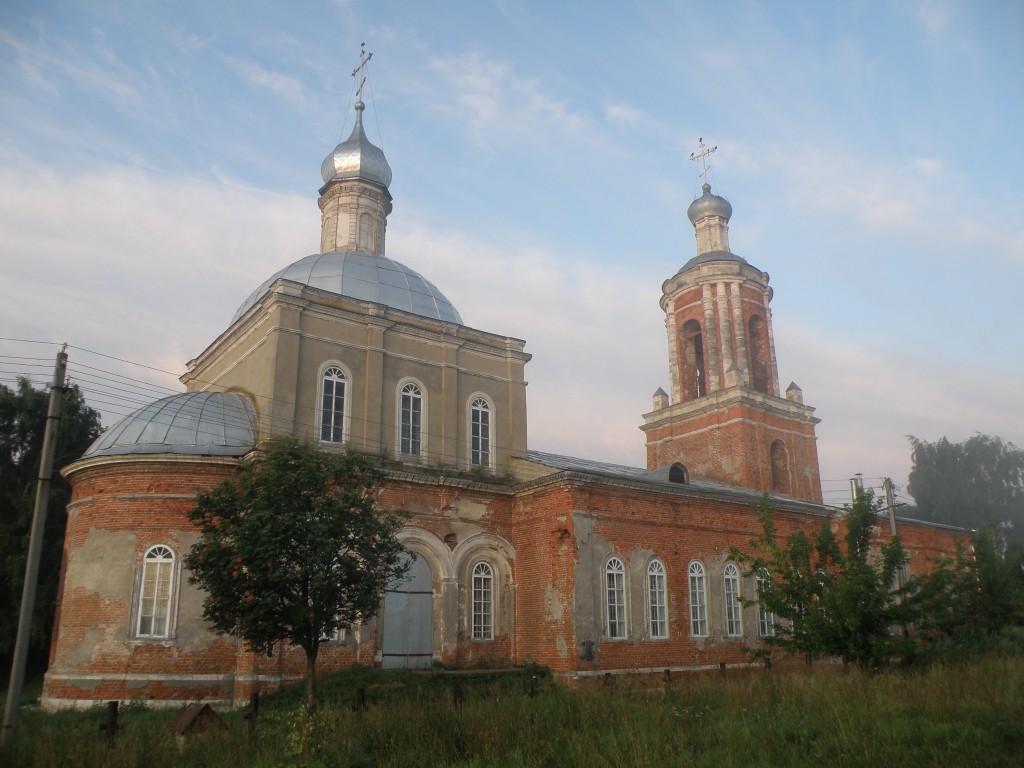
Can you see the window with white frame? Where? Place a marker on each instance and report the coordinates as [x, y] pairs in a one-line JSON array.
[[483, 602], [657, 604], [332, 405], [615, 598], [733, 609], [765, 618], [479, 432], [698, 601], [410, 419], [156, 592]]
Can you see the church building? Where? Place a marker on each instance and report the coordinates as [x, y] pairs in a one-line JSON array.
[[520, 555]]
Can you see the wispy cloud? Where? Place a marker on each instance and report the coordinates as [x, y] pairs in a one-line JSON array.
[[498, 102], [287, 87]]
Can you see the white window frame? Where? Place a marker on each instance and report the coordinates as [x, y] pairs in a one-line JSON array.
[[346, 404], [765, 618], [421, 437], [615, 599], [731, 598], [482, 601], [657, 601], [159, 568], [698, 599], [475, 449]]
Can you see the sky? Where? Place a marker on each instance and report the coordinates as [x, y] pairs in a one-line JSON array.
[[158, 161]]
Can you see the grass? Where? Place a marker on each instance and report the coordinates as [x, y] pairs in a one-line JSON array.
[[971, 714]]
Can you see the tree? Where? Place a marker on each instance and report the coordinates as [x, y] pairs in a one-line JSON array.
[[977, 594], [833, 600], [973, 484], [294, 547], [22, 423]]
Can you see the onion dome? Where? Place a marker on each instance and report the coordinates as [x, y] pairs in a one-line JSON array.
[[357, 158], [366, 277], [192, 423], [708, 205]]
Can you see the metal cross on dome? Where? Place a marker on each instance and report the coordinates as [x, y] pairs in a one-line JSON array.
[[702, 155], [364, 59]]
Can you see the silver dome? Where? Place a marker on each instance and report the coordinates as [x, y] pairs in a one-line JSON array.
[[357, 158], [708, 204], [706, 258], [367, 277], [195, 423]]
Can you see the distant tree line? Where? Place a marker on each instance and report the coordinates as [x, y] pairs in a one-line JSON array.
[[976, 484]]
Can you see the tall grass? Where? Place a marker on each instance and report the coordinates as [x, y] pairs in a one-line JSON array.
[[971, 714]]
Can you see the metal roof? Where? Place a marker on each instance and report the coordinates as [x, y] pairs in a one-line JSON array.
[[367, 277], [194, 423]]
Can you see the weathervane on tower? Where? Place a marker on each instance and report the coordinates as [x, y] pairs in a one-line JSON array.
[[364, 59], [702, 155]]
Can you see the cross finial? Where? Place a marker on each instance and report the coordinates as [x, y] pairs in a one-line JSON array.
[[702, 155], [364, 59]]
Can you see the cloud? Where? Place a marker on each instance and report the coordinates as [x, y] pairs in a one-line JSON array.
[[935, 15], [497, 103], [287, 87]]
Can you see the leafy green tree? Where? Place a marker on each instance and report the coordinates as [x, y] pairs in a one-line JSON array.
[[973, 484], [294, 547], [22, 424], [979, 593], [833, 600]]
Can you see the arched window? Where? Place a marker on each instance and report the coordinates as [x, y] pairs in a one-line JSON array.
[[615, 598], [410, 419], [657, 605], [765, 618], [698, 601], [677, 473], [693, 372], [780, 467], [332, 405], [156, 592], [733, 612], [479, 432], [365, 232], [483, 602], [758, 342]]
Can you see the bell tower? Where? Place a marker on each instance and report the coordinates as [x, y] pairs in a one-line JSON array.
[[726, 418]]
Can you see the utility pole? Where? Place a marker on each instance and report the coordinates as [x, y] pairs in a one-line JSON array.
[[890, 503], [35, 548]]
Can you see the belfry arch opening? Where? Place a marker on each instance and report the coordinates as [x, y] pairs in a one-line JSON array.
[[758, 341], [780, 467], [692, 370]]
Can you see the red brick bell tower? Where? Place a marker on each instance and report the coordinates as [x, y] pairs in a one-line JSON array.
[[727, 419]]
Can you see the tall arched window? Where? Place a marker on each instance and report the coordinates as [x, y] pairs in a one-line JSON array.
[[365, 232], [615, 598], [758, 342], [332, 405], [410, 419], [698, 601], [692, 371], [733, 612], [483, 602], [156, 592], [780, 467], [765, 618], [479, 432], [657, 605]]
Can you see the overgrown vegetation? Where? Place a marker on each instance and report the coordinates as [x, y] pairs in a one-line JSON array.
[[971, 714], [856, 602]]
